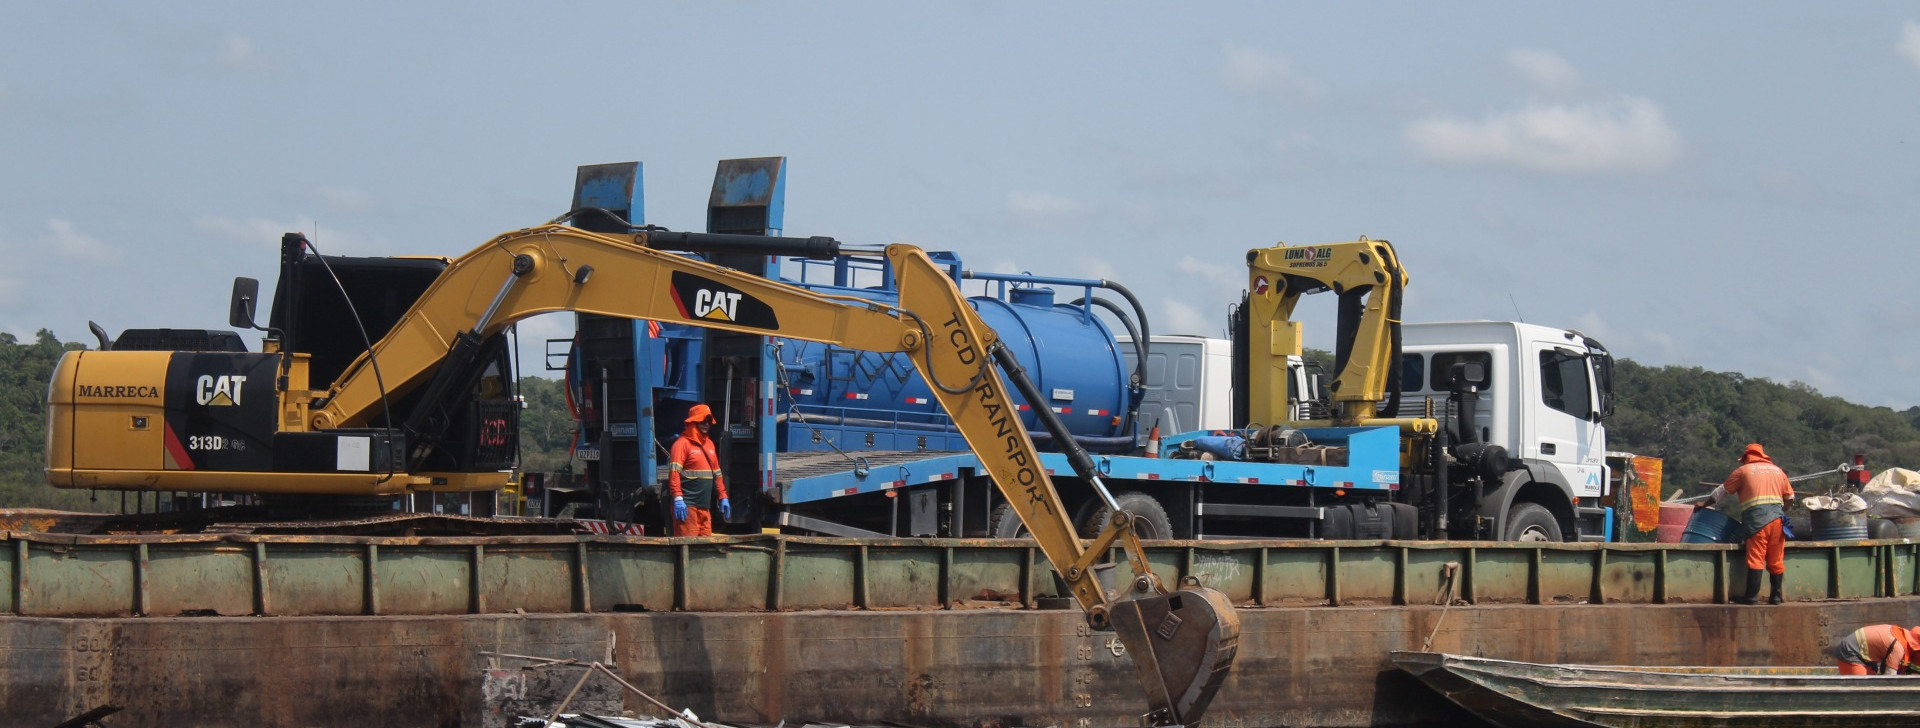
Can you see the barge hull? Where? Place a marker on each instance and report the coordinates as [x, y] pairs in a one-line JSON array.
[[1299, 666]]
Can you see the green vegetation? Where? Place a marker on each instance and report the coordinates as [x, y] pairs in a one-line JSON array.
[[24, 371], [1699, 421], [1696, 420], [546, 430]]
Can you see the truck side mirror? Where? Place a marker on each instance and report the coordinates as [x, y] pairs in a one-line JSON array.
[[240, 310]]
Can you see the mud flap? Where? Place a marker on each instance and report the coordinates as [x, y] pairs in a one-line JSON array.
[[1183, 644]]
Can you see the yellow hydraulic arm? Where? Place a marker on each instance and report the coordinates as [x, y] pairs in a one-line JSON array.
[[1367, 278], [1182, 641]]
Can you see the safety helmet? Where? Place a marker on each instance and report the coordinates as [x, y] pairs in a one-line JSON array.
[[700, 413]]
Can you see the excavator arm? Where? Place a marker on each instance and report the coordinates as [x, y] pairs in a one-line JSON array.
[[1182, 641]]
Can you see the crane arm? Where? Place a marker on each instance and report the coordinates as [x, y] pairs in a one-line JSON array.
[[1182, 642], [1367, 277]]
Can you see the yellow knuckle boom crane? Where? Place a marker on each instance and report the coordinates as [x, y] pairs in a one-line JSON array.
[[1365, 275], [296, 420]]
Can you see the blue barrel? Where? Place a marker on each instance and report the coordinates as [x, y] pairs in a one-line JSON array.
[[1839, 526], [1711, 526]]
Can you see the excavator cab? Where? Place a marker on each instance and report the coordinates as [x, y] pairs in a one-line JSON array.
[[333, 308]]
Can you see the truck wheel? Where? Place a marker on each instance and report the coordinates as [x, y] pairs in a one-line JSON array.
[[1532, 522], [1150, 520], [1007, 524]]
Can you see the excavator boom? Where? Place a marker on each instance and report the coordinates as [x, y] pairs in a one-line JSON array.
[[345, 440]]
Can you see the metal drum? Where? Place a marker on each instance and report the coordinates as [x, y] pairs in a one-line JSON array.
[[1839, 526], [1711, 526], [1909, 527], [1673, 522]]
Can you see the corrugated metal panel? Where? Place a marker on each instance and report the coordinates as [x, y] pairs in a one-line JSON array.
[[49, 575]]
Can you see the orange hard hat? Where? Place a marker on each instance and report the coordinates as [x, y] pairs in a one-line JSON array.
[[1913, 639], [700, 413]]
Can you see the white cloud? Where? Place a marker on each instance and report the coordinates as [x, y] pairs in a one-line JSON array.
[[1251, 70], [1095, 268], [1177, 317], [1909, 46], [236, 51], [71, 243], [1627, 135], [1222, 276], [1544, 69]]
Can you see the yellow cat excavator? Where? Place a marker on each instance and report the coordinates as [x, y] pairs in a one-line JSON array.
[[428, 405]]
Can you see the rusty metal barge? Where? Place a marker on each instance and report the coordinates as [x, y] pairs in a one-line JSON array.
[[250, 629]]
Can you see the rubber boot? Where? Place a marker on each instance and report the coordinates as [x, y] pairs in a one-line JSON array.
[[1752, 595], [1776, 598]]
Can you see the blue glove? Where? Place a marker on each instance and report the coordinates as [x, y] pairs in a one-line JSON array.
[[726, 510], [679, 508]]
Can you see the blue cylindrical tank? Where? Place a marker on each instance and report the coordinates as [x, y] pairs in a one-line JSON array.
[[1069, 353]]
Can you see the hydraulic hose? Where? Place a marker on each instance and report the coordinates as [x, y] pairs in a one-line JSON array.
[[1140, 347], [1141, 341]]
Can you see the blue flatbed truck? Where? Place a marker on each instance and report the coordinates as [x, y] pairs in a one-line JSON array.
[[841, 443]]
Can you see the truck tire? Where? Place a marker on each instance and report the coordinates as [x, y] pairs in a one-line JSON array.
[[1007, 524], [1532, 522], [1150, 519]]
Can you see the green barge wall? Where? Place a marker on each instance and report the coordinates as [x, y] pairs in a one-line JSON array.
[[281, 630]]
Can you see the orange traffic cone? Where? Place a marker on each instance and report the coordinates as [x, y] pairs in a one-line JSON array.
[[1153, 440]]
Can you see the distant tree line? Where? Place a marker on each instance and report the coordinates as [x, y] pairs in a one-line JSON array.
[[1699, 421], [25, 369], [1696, 420]]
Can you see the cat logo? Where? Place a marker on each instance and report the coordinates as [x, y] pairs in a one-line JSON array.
[[703, 299], [716, 305], [220, 391]]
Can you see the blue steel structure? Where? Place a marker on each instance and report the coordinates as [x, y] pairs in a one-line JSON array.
[[852, 443]]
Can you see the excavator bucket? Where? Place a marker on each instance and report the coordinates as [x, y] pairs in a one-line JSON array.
[[1183, 644]]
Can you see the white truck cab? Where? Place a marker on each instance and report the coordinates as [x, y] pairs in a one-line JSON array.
[[1545, 394]]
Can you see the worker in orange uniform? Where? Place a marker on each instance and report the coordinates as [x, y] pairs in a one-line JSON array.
[[1763, 490], [1882, 649], [695, 477]]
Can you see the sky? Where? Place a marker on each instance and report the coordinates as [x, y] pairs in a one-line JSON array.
[[1725, 185]]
